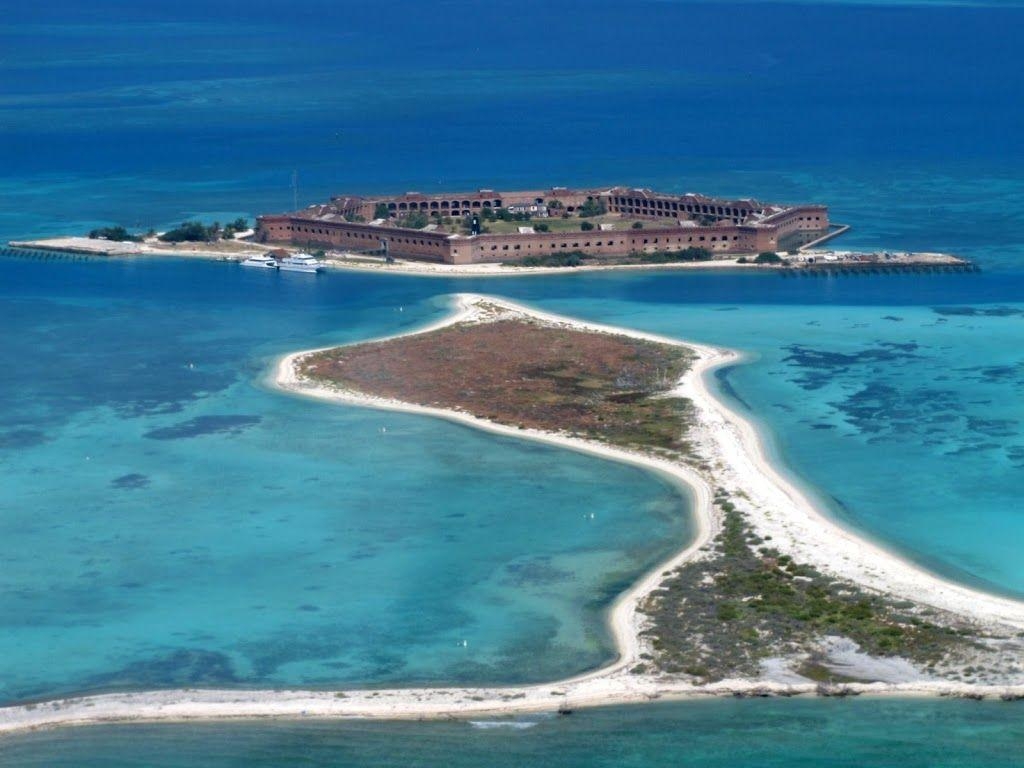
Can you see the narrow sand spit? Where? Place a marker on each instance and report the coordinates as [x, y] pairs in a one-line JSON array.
[[773, 506]]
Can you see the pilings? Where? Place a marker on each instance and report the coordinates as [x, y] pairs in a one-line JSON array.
[[35, 254], [857, 269]]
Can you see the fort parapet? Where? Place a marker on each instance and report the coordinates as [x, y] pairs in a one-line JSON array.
[[630, 221]]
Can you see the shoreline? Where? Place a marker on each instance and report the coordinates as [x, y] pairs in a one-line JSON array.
[[235, 251], [772, 505]]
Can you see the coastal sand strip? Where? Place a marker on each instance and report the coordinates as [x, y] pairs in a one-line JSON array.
[[774, 504]]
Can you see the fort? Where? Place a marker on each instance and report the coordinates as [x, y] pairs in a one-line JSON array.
[[492, 226]]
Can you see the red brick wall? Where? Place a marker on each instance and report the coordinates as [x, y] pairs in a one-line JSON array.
[[442, 247]]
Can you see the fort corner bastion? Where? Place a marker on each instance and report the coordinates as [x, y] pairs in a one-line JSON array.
[[492, 226]]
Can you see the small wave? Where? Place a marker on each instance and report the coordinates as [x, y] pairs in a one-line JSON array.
[[514, 724]]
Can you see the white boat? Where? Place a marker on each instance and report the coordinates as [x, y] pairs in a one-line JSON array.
[[300, 262], [260, 260]]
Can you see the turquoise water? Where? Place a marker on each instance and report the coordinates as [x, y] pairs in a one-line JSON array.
[[199, 529], [905, 420], [857, 734], [202, 530], [166, 520]]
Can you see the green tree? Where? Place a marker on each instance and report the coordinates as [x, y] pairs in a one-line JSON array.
[[586, 226], [593, 208], [380, 211], [638, 225], [117, 234], [768, 257], [414, 220], [190, 231]]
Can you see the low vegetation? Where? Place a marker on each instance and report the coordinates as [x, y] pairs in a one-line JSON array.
[[564, 259], [524, 374], [413, 220], [115, 234], [768, 257], [671, 257], [719, 617], [231, 229], [197, 232], [580, 258]]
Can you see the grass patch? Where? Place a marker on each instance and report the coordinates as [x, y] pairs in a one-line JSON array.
[[719, 617]]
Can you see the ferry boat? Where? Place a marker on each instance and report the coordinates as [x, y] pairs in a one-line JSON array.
[[260, 260], [300, 262]]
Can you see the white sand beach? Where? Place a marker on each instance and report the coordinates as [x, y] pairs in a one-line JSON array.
[[771, 504], [491, 269]]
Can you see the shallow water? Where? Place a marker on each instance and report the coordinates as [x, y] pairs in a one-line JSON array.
[[200, 529], [904, 117]]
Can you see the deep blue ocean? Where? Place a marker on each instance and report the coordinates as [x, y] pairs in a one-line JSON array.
[[166, 519]]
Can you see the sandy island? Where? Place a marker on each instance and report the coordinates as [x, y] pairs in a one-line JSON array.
[[771, 504]]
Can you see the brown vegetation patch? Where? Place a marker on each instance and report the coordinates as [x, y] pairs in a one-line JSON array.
[[526, 374]]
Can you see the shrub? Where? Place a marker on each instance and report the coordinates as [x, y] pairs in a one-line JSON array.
[[414, 220], [768, 257], [586, 226], [116, 234], [190, 232], [238, 225], [638, 225], [570, 259], [541, 227], [668, 257]]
